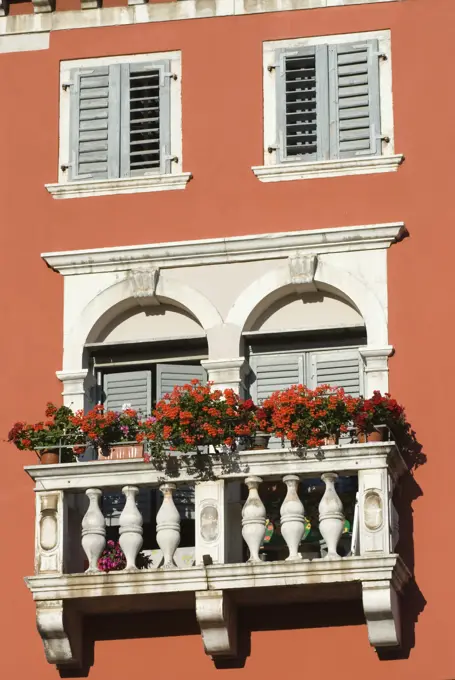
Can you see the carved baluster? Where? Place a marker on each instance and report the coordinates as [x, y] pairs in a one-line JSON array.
[[292, 517], [331, 517], [130, 528], [93, 531], [253, 519], [168, 526]]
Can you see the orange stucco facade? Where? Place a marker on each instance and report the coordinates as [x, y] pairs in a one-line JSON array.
[[222, 139]]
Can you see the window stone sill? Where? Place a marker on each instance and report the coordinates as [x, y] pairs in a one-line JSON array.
[[109, 187], [336, 168]]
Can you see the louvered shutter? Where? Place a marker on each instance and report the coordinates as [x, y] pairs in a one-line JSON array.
[[169, 375], [94, 123], [355, 123], [274, 372], [145, 118], [270, 373], [134, 387], [339, 368], [302, 104]]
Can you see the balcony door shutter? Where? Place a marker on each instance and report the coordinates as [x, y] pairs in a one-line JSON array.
[[355, 119], [94, 123], [145, 118], [339, 368], [170, 375], [132, 387], [167, 377], [302, 104], [275, 372], [135, 388]]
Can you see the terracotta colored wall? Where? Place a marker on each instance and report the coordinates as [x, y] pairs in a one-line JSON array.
[[222, 136]]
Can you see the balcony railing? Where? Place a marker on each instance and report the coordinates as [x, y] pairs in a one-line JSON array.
[[229, 557]]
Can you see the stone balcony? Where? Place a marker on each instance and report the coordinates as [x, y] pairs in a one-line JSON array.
[[226, 571]]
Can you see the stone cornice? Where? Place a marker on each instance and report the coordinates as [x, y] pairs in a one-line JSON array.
[[224, 250], [46, 20]]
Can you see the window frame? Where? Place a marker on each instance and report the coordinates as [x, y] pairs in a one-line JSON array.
[[274, 167], [166, 178]]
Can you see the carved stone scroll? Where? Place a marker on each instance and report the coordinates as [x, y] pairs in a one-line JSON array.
[[143, 284], [217, 619]]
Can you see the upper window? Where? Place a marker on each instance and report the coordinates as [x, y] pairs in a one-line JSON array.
[[328, 102], [120, 123]]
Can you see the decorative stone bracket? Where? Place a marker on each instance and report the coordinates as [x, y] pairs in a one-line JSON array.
[[61, 632], [302, 270], [217, 618], [143, 284]]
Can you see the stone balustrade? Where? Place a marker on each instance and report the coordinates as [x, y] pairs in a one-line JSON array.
[[230, 526]]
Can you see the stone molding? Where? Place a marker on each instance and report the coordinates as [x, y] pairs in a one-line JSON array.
[[109, 187], [226, 250], [268, 462], [25, 24], [336, 168], [382, 578]]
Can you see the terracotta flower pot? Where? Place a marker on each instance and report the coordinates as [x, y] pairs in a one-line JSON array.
[[125, 451], [49, 457], [260, 441], [375, 436], [331, 440]]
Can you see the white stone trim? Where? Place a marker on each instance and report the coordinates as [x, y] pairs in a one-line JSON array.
[[336, 168], [376, 369], [24, 42], [150, 13], [176, 179], [273, 285], [225, 250], [109, 187], [293, 171]]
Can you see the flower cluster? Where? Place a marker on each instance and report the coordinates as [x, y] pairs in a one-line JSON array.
[[103, 428], [50, 433], [308, 417], [194, 416], [381, 410], [112, 558]]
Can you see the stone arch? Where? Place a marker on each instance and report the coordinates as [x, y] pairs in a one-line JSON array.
[[118, 298], [278, 283]]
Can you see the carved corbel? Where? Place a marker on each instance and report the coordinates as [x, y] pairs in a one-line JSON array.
[[382, 613], [302, 270], [217, 618], [143, 285], [40, 6], [61, 632]]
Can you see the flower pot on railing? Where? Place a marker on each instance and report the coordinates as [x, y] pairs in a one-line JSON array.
[[49, 457], [379, 435], [331, 440], [260, 440], [121, 451]]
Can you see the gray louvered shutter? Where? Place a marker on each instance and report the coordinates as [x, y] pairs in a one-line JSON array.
[[302, 104], [274, 372], [270, 373], [355, 118], [170, 375], [133, 387], [339, 368], [94, 123], [167, 376], [145, 118]]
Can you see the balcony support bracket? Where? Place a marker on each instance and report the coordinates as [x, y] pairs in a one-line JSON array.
[[382, 612], [61, 632], [217, 618]]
